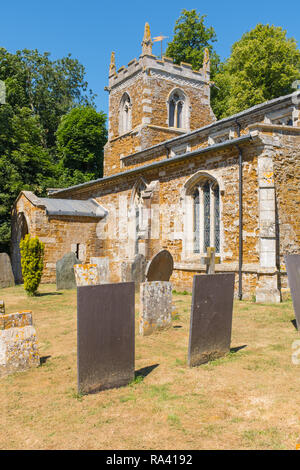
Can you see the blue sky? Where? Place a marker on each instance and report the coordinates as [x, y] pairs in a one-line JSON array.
[[91, 29]]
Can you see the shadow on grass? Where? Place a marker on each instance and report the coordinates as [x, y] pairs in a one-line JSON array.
[[145, 371], [294, 322], [44, 359], [42, 294], [237, 348]]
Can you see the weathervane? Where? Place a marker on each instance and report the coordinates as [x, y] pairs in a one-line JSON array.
[[160, 39]]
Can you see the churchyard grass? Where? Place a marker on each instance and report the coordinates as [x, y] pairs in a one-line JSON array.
[[247, 400]]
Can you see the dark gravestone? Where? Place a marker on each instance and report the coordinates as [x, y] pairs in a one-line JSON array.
[[6, 274], [65, 276], [105, 336], [293, 271], [211, 317], [160, 268]]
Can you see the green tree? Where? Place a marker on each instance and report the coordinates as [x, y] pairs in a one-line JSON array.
[[81, 136], [32, 262], [191, 37], [39, 92], [263, 65]]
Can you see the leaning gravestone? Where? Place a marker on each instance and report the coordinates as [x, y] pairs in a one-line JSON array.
[[86, 274], [105, 336], [156, 294], [6, 274], [2, 307], [293, 271], [211, 317], [161, 266], [65, 276]]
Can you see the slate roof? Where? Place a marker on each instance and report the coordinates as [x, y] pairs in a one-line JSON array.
[[68, 207]]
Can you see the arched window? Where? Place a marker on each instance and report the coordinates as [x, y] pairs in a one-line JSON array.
[[177, 110], [206, 213], [125, 114]]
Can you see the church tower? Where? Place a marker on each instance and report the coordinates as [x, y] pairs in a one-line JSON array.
[[153, 100]]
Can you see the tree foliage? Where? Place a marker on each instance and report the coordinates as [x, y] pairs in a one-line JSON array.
[[32, 262], [39, 93], [191, 37], [263, 65], [81, 136]]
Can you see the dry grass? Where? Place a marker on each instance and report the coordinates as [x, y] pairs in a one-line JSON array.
[[246, 400]]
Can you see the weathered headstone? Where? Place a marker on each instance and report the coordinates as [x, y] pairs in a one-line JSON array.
[[103, 267], [18, 343], [134, 270], [160, 268], [105, 336], [6, 274], [155, 306], [2, 307], [293, 271], [211, 317], [86, 274], [65, 276]]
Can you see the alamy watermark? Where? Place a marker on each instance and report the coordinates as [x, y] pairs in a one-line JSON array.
[[296, 353], [296, 94], [2, 92]]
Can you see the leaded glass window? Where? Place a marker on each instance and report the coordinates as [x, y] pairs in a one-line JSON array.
[[196, 221], [206, 213], [206, 194]]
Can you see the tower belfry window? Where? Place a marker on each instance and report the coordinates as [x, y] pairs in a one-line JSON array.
[[176, 110], [125, 114]]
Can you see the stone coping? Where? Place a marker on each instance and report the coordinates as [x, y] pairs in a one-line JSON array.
[[227, 267], [16, 320]]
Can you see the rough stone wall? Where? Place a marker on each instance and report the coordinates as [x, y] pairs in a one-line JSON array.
[[287, 187]]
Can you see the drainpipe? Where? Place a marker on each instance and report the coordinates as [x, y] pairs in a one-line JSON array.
[[240, 292]]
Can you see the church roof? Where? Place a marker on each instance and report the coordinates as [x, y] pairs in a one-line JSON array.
[[67, 207]]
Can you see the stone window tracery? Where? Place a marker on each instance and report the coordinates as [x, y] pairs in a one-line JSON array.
[[177, 110]]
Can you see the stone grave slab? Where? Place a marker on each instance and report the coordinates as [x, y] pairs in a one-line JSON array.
[[65, 276], [103, 267], [211, 317], [86, 274], [160, 268], [155, 306], [6, 274], [292, 263], [105, 336], [18, 343]]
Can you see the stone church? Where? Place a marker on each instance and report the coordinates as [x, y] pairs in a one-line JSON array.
[[176, 178]]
